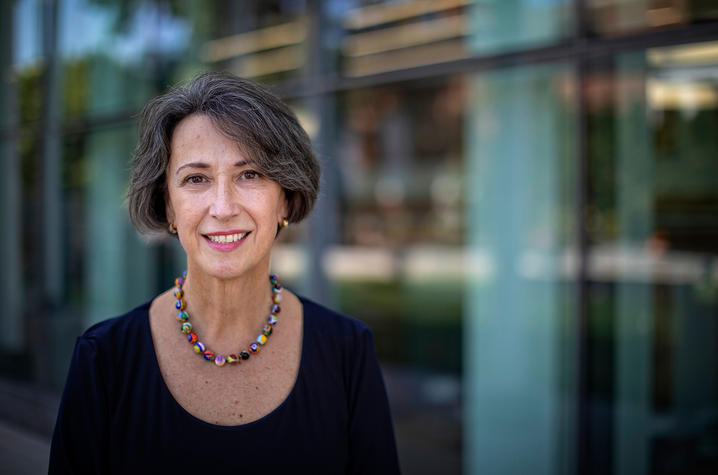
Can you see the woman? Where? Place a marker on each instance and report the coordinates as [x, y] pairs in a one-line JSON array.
[[226, 370]]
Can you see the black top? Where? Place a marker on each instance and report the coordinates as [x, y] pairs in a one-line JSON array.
[[118, 416]]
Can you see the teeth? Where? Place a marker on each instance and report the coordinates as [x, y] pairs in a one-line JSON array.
[[226, 238]]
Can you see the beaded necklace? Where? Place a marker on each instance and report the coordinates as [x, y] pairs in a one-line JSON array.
[[232, 359]]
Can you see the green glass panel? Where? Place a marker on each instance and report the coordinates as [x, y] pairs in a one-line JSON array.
[[519, 322]]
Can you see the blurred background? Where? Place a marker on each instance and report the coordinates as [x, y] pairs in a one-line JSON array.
[[520, 197]]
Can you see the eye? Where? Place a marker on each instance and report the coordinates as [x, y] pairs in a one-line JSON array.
[[194, 179], [250, 174]]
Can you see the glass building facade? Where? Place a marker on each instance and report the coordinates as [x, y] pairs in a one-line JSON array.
[[520, 197]]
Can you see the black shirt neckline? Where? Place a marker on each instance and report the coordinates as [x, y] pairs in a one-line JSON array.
[[186, 414]]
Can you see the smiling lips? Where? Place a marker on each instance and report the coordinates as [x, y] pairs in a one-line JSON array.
[[226, 238], [226, 242]]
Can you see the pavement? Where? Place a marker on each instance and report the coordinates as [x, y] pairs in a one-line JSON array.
[[22, 452]]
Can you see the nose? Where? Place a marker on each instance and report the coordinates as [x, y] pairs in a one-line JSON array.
[[225, 202]]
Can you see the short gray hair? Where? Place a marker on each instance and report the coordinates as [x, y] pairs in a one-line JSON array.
[[261, 124]]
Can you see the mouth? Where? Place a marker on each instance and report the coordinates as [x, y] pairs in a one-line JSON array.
[[226, 238], [226, 241]]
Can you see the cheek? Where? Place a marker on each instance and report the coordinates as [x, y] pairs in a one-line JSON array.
[[172, 204], [169, 211], [182, 209], [188, 213]]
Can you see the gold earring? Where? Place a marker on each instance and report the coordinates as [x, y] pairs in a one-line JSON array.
[[172, 228], [284, 223]]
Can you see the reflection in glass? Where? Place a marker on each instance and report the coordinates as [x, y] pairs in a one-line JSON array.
[[399, 264], [500, 25], [654, 286], [519, 325], [261, 40], [125, 37], [613, 17], [388, 36]]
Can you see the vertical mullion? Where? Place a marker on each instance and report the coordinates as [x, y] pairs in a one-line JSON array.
[[12, 338], [583, 462], [582, 267], [51, 167], [323, 221]]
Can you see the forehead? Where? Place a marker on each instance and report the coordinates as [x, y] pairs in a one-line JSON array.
[[196, 137], [193, 128]]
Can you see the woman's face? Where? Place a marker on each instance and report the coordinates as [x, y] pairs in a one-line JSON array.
[[226, 213]]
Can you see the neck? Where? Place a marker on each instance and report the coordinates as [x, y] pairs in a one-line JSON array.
[[225, 311]]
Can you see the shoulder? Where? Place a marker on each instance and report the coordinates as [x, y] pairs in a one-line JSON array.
[[115, 334], [330, 323], [110, 349], [119, 326], [335, 340]]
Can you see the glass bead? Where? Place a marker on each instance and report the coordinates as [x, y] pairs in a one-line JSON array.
[[186, 327], [184, 274], [182, 316], [254, 348], [180, 305], [232, 359], [244, 355], [277, 298], [208, 355], [262, 339], [179, 293], [219, 360], [276, 309], [267, 330], [277, 288], [179, 281], [273, 279], [272, 320], [192, 337], [199, 347]]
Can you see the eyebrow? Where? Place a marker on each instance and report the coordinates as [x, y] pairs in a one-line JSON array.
[[240, 163]]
